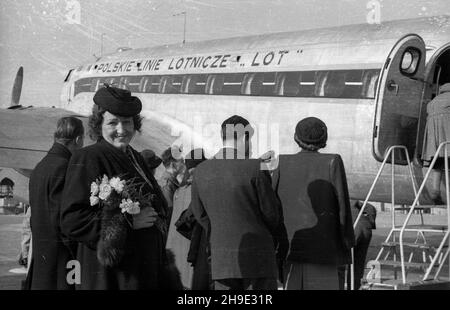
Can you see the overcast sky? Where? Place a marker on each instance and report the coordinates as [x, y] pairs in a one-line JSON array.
[[47, 40]]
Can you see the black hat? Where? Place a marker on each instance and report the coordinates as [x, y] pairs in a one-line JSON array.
[[151, 159], [117, 101], [194, 158], [311, 130]]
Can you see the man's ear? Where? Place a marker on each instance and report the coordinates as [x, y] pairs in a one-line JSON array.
[[79, 140]]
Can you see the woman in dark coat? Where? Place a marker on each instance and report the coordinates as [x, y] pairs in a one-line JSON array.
[[437, 130], [114, 253], [313, 191]]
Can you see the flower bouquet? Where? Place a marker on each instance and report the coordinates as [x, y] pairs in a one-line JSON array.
[[118, 200]]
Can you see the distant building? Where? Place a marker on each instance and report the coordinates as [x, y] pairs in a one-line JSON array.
[[13, 189]]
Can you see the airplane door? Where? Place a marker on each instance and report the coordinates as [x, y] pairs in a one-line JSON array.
[[399, 96]]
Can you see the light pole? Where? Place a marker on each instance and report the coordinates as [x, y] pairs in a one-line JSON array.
[[184, 28]]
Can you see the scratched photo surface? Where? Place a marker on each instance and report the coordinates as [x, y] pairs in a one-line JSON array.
[[54, 40], [49, 37]]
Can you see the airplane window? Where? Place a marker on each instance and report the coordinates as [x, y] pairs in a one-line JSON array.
[[150, 84], [194, 84], [145, 84], [95, 84], [252, 84], [407, 60], [123, 82], [112, 81], [321, 77], [232, 83], [171, 84], [291, 84], [132, 83], [82, 85], [334, 84], [307, 84], [245, 87], [370, 82], [155, 82], [410, 61], [215, 84], [279, 83], [268, 84], [353, 84], [176, 83]]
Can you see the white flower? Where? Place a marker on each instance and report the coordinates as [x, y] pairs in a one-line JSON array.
[[105, 191], [117, 184], [94, 188], [94, 200], [130, 207], [104, 180]]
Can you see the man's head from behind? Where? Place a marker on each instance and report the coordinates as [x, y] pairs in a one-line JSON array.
[[70, 132], [236, 133]]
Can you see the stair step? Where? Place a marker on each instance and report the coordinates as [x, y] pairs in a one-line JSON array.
[[422, 207], [419, 227], [377, 286], [410, 285], [406, 244], [397, 264]]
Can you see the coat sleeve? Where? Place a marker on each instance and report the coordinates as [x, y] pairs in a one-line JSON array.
[[55, 194], [339, 181], [79, 220], [268, 202], [196, 206], [280, 235]]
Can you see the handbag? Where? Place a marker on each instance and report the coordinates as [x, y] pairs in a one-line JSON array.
[[185, 223]]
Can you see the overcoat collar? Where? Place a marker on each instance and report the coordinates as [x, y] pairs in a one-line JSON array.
[[307, 152], [117, 154], [60, 150]]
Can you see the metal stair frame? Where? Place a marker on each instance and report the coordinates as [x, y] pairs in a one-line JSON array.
[[416, 200], [390, 151]]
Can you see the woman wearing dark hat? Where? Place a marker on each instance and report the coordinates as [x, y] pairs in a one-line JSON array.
[[178, 243], [113, 253], [313, 191]]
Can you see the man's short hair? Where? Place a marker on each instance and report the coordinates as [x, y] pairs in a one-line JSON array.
[[172, 154], [235, 127], [68, 129]]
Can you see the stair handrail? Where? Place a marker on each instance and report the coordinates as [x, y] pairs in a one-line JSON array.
[[415, 202], [380, 170]]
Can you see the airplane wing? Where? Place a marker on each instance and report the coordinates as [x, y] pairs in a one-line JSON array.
[[26, 134]]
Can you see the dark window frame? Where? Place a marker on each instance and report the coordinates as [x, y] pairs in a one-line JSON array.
[[214, 83], [411, 50]]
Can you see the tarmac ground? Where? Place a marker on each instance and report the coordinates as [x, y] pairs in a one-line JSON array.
[[11, 227]]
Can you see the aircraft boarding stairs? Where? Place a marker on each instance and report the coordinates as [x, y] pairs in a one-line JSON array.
[[407, 259]]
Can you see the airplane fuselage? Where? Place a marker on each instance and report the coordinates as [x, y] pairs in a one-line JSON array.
[[365, 82]]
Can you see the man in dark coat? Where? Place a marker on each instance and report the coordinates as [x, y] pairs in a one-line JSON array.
[[363, 236], [234, 195], [313, 191], [51, 250]]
